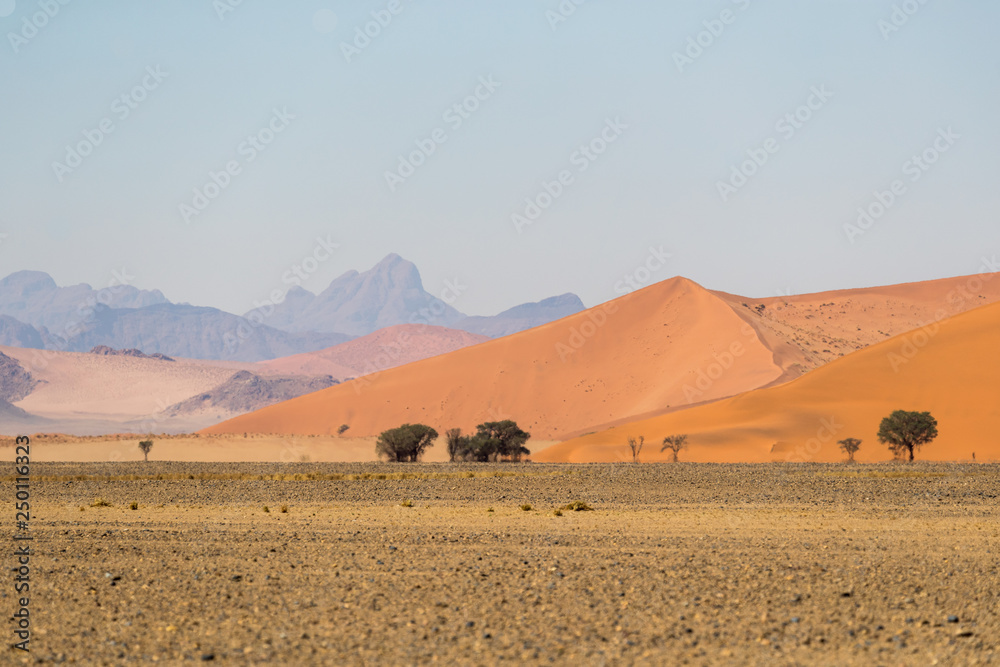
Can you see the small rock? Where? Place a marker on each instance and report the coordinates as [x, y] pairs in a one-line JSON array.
[[953, 619]]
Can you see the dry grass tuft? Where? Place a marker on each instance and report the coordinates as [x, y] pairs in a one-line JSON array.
[[577, 506]]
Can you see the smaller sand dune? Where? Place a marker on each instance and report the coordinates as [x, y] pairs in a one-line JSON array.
[[386, 348], [947, 368]]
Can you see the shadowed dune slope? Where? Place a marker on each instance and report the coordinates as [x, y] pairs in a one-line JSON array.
[[648, 351], [386, 348], [948, 368]]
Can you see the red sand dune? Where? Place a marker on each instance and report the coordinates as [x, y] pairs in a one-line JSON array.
[[658, 350], [385, 348], [632, 356], [947, 368]]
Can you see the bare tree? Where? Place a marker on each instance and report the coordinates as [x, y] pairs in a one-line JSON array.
[[850, 446], [342, 428], [635, 446], [675, 443], [145, 446]]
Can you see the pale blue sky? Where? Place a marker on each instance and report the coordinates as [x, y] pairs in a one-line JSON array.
[[656, 184]]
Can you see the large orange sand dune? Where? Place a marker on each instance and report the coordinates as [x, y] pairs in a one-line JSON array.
[[948, 368], [641, 353], [660, 349]]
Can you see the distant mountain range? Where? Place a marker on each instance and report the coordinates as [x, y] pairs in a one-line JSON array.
[[37, 313]]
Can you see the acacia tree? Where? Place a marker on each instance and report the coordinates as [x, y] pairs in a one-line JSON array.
[[405, 443], [635, 446], [145, 446], [455, 443], [905, 431], [675, 443], [493, 441], [850, 446], [342, 428]]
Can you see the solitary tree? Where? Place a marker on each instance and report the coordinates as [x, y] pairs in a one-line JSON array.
[[850, 446], [905, 431], [342, 428], [675, 443], [635, 446], [145, 446], [405, 443]]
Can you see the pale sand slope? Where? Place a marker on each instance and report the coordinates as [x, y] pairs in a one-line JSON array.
[[949, 369], [385, 348], [809, 330], [74, 385], [641, 353]]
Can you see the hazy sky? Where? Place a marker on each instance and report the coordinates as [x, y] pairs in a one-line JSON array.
[[310, 127]]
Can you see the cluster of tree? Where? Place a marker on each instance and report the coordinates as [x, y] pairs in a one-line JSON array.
[[405, 443], [903, 432], [492, 441]]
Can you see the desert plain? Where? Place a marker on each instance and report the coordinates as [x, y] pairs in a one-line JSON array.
[[377, 563]]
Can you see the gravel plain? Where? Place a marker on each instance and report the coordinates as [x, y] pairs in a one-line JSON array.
[[699, 564]]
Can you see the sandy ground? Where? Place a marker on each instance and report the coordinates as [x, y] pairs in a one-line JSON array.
[[699, 564], [227, 448], [948, 369]]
